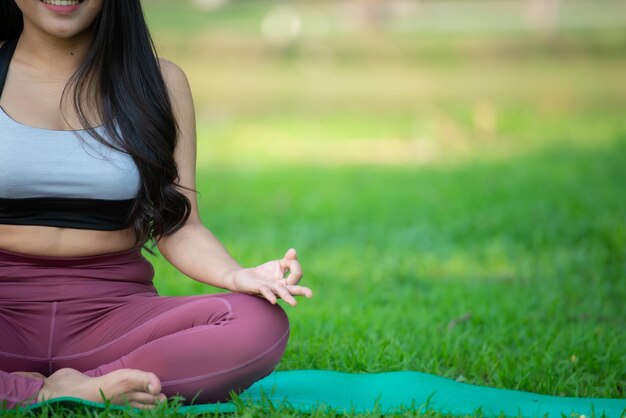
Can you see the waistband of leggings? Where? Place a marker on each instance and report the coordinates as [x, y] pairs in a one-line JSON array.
[[129, 255]]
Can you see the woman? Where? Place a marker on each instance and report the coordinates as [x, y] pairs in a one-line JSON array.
[[97, 158]]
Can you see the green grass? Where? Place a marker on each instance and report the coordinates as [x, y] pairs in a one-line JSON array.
[[533, 248], [457, 201]]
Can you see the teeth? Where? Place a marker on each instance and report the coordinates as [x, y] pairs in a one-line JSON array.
[[62, 2]]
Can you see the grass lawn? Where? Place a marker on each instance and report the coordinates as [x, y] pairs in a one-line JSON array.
[[457, 202]]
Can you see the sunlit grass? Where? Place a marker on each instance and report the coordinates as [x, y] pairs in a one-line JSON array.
[[444, 137]]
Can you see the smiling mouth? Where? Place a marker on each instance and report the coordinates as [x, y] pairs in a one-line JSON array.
[[62, 2]]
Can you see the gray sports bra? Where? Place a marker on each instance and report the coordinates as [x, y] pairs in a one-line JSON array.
[[61, 178]]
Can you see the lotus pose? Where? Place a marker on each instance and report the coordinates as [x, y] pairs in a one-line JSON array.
[[97, 162]]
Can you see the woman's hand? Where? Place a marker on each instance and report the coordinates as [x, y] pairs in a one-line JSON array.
[[268, 280]]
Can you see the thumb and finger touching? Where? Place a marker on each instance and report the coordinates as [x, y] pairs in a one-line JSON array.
[[290, 264], [287, 287]]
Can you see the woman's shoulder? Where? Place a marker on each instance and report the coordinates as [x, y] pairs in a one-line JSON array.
[[178, 88], [174, 76]]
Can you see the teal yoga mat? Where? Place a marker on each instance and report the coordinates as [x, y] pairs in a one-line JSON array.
[[308, 390]]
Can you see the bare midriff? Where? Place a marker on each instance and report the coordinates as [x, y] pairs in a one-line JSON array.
[[63, 242]]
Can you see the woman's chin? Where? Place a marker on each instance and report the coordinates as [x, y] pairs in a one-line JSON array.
[[60, 18], [63, 30]]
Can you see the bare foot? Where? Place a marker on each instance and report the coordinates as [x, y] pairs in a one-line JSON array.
[[141, 389]]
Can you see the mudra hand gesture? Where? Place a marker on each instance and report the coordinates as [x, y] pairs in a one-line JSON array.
[[268, 279]]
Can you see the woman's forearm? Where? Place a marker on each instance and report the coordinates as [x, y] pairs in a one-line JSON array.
[[197, 253]]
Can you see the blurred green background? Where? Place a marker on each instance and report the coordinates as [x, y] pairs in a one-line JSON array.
[[451, 173]]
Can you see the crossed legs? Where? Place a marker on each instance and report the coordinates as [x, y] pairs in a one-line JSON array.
[[200, 347]]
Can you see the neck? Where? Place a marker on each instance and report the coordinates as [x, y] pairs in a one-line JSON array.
[[58, 55]]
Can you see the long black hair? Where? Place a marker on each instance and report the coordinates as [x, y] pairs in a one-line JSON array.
[[121, 71]]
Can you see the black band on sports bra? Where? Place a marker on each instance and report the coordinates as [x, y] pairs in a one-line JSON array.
[[6, 53], [103, 215]]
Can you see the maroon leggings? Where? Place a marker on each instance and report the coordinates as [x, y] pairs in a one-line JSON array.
[[100, 313]]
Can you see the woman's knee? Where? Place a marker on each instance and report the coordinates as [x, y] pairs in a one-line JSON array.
[[262, 320]]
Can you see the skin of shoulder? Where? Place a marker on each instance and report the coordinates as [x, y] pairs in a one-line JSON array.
[[178, 89], [175, 78]]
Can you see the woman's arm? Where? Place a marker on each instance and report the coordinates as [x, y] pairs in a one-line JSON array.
[[193, 249]]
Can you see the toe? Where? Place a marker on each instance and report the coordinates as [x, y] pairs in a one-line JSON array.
[[137, 380]]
